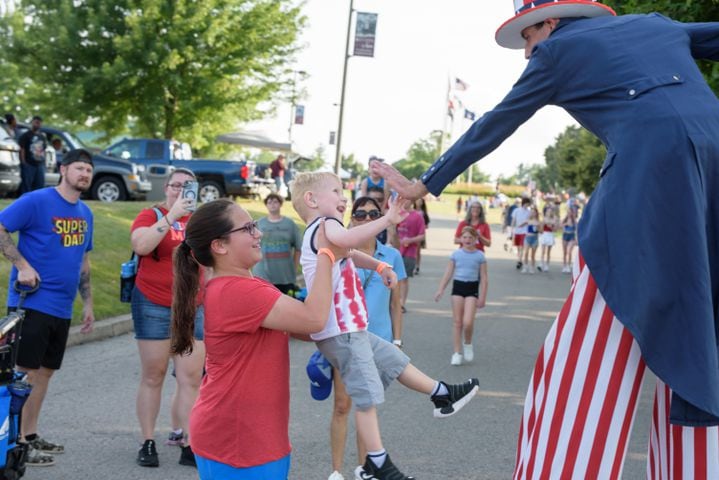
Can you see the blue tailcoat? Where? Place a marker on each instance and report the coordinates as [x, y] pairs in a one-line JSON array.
[[650, 233]]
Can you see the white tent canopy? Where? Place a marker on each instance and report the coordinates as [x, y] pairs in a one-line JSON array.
[[255, 139], [344, 174]]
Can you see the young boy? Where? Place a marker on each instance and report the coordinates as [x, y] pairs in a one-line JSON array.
[[367, 364]]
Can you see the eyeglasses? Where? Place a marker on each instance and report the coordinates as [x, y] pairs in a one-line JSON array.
[[175, 186], [362, 214], [250, 227]]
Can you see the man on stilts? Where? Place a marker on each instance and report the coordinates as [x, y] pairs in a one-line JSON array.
[[645, 291]]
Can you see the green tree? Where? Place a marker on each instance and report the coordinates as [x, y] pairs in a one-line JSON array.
[[577, 156], [423, 153], [159, 68], [350, 163], [684, 11]]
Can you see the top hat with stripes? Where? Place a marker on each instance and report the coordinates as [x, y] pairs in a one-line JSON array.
[[531, 12]]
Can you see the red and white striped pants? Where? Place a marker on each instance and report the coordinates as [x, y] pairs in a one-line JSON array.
[[582, 400]]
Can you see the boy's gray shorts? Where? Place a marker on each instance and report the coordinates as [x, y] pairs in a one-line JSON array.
[[367, 365]]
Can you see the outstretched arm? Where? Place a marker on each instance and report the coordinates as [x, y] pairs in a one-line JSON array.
[[360, 235], [399, 183]]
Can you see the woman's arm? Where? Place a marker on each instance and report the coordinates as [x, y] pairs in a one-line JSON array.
[[368, 262], [486, 241], [145, 239]]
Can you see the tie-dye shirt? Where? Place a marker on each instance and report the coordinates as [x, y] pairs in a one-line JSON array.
[[349, 311]]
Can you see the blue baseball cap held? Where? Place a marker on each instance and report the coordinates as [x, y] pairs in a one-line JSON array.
[[320, 372]]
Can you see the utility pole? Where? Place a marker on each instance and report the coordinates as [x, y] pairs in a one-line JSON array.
[[293, 101], [338, 153]]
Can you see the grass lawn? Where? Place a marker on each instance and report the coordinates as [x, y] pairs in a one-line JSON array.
[[112, 246]]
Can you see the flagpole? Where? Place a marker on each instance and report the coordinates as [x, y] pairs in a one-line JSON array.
[[338, 153], [446, 114]]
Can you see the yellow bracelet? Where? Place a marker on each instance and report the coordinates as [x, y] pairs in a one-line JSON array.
[[327, 252], [382, 266]]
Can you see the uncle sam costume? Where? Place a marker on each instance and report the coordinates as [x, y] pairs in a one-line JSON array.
[[646, 286]]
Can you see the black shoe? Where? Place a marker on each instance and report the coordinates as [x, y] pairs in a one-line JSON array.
[[187, 458], [519, 265], [458, 397], [387, 472], [147, 456]]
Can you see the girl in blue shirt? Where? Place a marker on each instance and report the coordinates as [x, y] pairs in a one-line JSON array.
[[468, 269]]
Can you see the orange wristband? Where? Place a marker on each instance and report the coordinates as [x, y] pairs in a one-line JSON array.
[[327, 252], [382, 266]]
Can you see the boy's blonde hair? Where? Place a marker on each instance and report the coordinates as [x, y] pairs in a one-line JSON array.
[[305, 182]]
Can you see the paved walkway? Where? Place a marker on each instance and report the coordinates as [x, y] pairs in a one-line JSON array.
[[90, 406]]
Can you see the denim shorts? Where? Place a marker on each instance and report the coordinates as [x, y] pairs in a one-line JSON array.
[[152, 321]]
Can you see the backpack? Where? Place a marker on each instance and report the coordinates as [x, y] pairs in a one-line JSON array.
[[128, 270]]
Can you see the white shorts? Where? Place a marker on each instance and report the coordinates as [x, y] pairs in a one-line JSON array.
[[546, 239]]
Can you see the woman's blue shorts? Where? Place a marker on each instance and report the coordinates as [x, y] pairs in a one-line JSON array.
[[152, 321]]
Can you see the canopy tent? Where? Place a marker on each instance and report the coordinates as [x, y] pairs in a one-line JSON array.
[[344, 174], [255, 139]]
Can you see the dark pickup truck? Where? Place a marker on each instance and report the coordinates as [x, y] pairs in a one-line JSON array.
[[113, 179], [217, 178]]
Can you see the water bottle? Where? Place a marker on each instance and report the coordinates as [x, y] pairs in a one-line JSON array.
[[127, 280]]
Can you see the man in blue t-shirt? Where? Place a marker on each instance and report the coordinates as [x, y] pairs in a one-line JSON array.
[[54, 239]]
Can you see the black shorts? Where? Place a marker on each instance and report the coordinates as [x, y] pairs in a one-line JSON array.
[[42, 340], [465, 289]]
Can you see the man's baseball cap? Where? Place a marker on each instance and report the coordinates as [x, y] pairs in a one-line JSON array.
[[320, 372], [77, 155]]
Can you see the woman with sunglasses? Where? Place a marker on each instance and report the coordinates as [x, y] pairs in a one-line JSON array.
[[384, 310], [240, 421], [156, 232]]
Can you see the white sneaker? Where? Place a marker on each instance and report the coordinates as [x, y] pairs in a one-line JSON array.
[[468, 352], [566, 269], [532, 269], [525, 269], [336, 476], [545, 267], [358, 473], [456, 359]]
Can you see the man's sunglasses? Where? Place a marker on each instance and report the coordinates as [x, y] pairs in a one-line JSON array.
[[362, 214]]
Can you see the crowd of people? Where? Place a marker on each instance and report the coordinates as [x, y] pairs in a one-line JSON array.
[[625, 311], [527, 231]]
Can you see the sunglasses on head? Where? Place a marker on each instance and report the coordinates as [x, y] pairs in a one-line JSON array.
[[362, 214]]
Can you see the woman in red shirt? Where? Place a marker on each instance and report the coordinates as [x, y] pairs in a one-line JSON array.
[[475, 218], [156, 232], [240, 421]]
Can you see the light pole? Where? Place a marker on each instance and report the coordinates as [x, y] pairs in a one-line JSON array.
[[293, 101], [338, 153]]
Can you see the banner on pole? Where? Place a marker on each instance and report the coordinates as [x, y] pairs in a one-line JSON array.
[[365, 30], [332, 137], [299, 114]]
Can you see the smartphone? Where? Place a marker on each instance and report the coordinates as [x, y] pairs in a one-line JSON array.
[[189, 190]]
